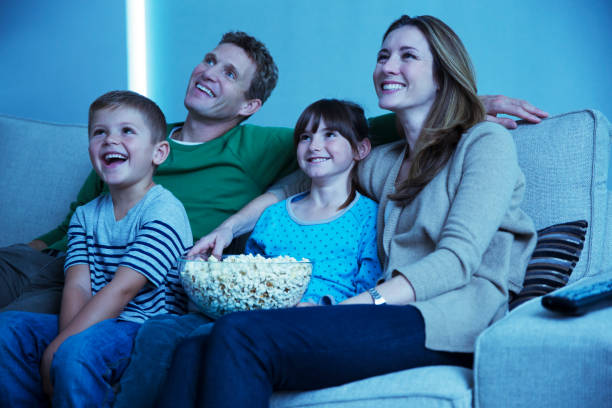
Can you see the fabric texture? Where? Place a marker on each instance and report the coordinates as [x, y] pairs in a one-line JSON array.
[[83, 368], [154, 347], [213, 180], [150, 240], [566, 160], [548, 360], [343, 249], [554, 258], [30, 280], [303, 349]]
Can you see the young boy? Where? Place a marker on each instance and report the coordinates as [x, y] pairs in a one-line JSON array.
[[120, 268]]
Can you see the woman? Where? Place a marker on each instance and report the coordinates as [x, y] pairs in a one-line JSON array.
[[451, 237]]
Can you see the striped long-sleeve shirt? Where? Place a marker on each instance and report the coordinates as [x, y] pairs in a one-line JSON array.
[[149, 240]]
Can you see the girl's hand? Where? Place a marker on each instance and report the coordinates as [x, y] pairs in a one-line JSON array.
[[213, 243]]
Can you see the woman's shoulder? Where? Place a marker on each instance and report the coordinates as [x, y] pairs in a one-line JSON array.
[[487, 137]]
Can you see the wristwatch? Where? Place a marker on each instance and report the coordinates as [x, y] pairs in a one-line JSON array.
[[378, 299]]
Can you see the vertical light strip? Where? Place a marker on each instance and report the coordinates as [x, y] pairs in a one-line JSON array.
[[136, 46]]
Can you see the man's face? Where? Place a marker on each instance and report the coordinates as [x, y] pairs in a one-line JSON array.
[[219, 83]]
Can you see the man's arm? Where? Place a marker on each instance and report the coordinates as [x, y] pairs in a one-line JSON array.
[[106, 304], [240, 223], [495, 104], [386, 129]]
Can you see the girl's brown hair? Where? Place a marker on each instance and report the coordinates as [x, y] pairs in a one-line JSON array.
[[344, 117], [455, 109]]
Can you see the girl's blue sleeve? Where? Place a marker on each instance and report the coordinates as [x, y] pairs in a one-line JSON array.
[[370, 270]]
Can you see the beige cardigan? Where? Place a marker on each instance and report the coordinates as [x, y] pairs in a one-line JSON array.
[[462, 243]]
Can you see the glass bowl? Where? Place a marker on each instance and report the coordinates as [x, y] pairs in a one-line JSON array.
[[244, 282]]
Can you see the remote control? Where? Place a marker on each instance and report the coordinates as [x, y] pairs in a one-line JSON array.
[[580, 298]]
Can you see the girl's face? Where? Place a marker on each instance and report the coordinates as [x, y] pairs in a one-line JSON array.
[[404, 76], [324, 155]]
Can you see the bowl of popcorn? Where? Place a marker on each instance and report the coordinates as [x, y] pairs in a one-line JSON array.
[[244, 282]]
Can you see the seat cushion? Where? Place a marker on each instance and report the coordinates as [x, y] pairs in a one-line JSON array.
[[436, 386], [537, 358]]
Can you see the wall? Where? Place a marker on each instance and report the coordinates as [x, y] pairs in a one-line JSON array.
[[58, 56], [552, 53]]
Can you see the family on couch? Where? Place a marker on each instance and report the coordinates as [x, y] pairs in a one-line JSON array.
[[451, 235]]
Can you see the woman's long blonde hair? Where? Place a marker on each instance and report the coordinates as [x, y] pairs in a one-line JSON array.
[[455, 109]]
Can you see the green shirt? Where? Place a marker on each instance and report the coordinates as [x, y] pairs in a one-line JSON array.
[[217, 178]]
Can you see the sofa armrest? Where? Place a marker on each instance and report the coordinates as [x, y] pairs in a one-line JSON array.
[[537, 358]]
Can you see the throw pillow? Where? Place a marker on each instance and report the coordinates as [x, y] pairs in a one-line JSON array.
[[553, 260]]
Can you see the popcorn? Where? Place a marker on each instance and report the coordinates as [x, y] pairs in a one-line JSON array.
[[245, 282]]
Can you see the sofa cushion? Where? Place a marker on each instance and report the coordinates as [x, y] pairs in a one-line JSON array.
[[43, 167], [553, 260], [565, 160], [537, 358], [424, 387]]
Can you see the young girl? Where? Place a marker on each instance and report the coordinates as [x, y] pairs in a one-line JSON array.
[[331, 224]]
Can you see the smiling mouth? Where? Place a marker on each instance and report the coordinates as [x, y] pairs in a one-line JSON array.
[[205, 90], [112, 158], [392, 87], [317, 159]]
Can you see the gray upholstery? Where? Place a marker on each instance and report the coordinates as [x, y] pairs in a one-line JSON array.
[[43, 167], [520, 361]]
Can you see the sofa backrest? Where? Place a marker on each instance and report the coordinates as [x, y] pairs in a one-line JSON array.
[[565, 160], [43, 167]]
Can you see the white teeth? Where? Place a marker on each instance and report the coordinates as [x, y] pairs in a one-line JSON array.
[[110, 156], [318, 160], [206, 90], [392, 87]]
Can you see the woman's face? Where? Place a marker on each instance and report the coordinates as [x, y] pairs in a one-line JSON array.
[[404, 77]]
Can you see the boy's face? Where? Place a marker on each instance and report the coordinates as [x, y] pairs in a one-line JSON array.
[[121, 148], [218, 84]]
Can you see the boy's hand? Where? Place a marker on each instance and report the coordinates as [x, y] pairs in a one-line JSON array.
[[45, 366], [213, 243], [495, 104]]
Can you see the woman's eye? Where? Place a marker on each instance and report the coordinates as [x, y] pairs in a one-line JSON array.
[[128, 130], [304, 137], [381, 58], [330, 134], [408, 55]]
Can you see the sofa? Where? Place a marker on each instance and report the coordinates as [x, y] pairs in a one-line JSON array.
[[530, 358]]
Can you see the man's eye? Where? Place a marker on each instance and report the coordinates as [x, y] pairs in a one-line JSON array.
[[209, 61], [128, 130], [98, 132], [231, 74]]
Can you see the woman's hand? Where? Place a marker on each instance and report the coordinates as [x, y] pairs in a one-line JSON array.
[[495, 104], [396, 291], [213, 243]]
